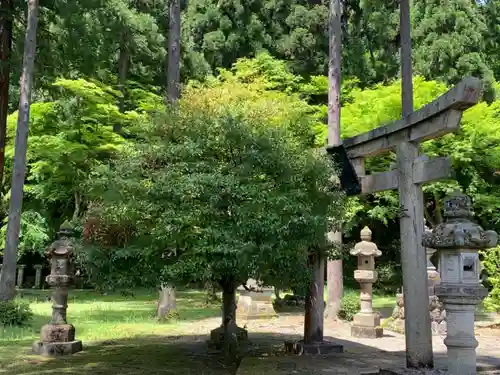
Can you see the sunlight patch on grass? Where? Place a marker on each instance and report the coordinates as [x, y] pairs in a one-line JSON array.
[[98, 319]]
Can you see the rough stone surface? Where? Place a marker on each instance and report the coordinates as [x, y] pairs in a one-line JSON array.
[[55, 349], [410, 372], [58, 337], [458, 240], [366, 323], [217, 336], [255, 305], [367, 332], [320, 348], [57, 333]]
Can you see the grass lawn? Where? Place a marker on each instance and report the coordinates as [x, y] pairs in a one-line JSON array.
[[120, 336]]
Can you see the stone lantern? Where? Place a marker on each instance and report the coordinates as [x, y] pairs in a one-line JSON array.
[[366, 323], [458, 241], [58, 337]]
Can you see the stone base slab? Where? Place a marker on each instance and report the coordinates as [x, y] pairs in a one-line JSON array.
[[320, 348], [57, 333], [254, 306], [367, 332], [407, 371], [56, 349], [366, 320], [217, 336]]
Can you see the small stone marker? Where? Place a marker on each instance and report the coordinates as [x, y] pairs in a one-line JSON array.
[[38, 276], [58, 337], [458, 241], [20, 275], [366, 323], [255, 303]]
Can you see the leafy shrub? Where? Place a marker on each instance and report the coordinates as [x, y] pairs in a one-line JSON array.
[[388, 278], [350, 306], [15, 313], [491, 264]]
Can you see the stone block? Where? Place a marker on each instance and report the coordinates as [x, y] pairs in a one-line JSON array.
[[367, 332], [366, 320], [56, 349], [217, 336], [408, 371], [57, 333], [255, 305], [320, 348]]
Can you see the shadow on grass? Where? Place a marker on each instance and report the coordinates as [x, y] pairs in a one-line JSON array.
[[142, 355], [189, 355]]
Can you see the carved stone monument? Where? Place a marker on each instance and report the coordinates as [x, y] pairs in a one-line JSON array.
[[58, 337], [458, 241], [20, 275], [436, 309], [255, 303], [367, 322], [38, 276]]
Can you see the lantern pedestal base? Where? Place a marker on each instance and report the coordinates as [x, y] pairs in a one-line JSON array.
[[56, 349], [367, 332], [317, 348], [217, 336]]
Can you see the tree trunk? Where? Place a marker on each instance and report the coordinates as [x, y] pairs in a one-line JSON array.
[[167, 303], [7, 277], [78, 202], [315, 303], [123, 68], [334, 267], [6, 10], [174, 53], [228, 303]]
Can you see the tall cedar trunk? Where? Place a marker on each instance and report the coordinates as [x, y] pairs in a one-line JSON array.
[[334, 268], [6, 10], [315, 303], [123, 68], [7, 278], [174, 53], [173, 93]]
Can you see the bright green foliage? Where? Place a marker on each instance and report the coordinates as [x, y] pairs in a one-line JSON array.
[[68, 138], [224, 196], [491, 264], [449, 41], [475, 150], [250, 91], [369, 109], [350, 306], [34, 234]]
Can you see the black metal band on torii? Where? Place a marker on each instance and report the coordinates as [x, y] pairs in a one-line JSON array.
[[349, 181]]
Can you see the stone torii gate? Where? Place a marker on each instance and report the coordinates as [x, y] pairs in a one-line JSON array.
[[440, 117]]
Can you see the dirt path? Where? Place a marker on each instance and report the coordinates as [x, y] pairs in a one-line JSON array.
[[268, 336]]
